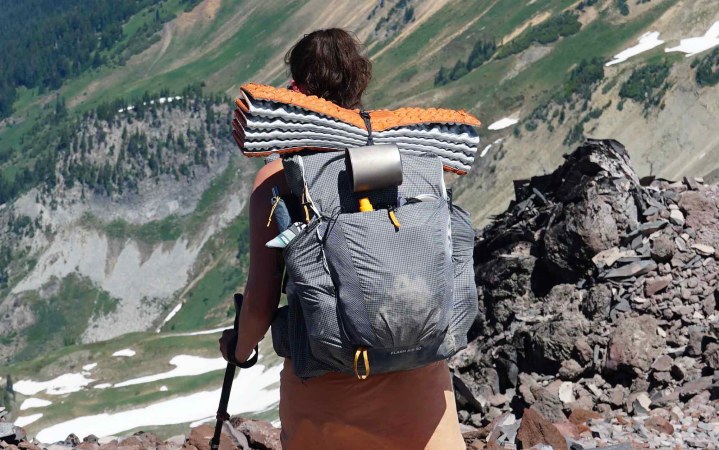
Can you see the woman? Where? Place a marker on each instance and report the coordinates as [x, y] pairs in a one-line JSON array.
[[395, 411]]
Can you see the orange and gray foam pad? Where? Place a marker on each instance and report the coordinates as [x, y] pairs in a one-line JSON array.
[[271, 120]]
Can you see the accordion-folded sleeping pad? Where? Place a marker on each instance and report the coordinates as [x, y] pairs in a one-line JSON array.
[[271, 120]]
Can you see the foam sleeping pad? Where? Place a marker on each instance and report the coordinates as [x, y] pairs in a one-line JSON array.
[[271, 120]]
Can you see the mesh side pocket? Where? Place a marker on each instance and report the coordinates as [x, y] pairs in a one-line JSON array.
[[280, 332], [310, 287], [394, 285], [464, 308]]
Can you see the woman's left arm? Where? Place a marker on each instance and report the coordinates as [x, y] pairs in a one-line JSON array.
[[264, 280]]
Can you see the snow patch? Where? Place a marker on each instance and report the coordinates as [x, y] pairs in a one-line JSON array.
[[696, 45], [174, 311], [484, 152], [647, 42], [125, 352], [163, 389], [27, 420], [503, 123], [33, 402], [197, 423], [89, 367], [199, 333], [185, 365], [64, 384], [250, 393], [161, 100], [102, 386]]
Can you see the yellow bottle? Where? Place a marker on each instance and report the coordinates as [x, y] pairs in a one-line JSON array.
[[365, 205]]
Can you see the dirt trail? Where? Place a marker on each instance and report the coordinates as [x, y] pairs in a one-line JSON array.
[[165, 41], [533, 22], [204, 12]]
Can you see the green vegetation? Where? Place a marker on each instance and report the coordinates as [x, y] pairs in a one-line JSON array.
[[33, 161], [707, 69], [575, 94], [543, 82], [647, 85], [563, 25], [8, 397], [141, 30], [242, 54], [166, 230], [399, 15], [68, 139], [583, 78], [209, 302], [481, 53], [585, 4], [65, 39], [171, 227], [5, 260], [61, 318], [622, 7]]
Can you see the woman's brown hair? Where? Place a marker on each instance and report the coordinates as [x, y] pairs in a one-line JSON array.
[[330, 64]]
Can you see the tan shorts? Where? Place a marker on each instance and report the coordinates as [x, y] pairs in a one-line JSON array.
[[409, 410]]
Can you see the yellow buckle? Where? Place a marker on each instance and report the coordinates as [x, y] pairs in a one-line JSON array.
[[365, 359], [393, 219]]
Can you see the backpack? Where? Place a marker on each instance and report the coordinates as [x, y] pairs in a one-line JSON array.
[[374, 292]]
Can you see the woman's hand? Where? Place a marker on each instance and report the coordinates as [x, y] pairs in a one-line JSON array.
[[229, 335]]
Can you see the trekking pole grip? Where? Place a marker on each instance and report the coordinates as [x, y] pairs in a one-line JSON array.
[[222, 414], [239, 298]]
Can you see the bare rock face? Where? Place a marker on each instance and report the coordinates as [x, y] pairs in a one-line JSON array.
[[536, 429], [634, 344], [200, 439], [260, 434], [597, 292]]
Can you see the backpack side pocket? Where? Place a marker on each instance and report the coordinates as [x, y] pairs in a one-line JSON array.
[[310, 287], [464, 302]]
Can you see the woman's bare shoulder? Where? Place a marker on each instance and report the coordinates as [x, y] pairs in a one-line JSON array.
[[271, 172]]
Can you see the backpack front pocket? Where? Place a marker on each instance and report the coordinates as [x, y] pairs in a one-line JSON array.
[[393, 276]]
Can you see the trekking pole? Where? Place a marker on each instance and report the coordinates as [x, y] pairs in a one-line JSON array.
[[222, 414]]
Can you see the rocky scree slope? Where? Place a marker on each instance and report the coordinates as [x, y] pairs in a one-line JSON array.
[[599, 319]]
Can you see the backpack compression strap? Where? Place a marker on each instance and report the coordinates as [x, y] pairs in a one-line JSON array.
[[368, 124]]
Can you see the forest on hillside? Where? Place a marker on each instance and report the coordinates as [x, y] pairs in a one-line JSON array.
[[66, 146], [44, 42]]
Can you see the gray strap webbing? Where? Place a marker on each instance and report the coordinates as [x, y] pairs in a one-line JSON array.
[[368, 124]]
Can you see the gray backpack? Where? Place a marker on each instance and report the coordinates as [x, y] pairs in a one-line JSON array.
[[373, 292]]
